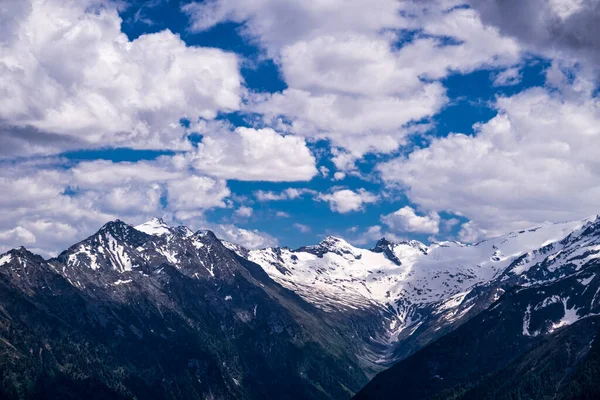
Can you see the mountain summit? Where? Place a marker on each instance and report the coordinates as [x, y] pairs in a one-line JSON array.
[[156, 226]]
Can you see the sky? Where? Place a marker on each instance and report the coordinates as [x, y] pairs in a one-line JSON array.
[[279, 122]]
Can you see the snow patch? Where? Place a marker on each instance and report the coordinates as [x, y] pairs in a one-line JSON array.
[[526, 321], [586, 281], [569, 318], [5, 259]]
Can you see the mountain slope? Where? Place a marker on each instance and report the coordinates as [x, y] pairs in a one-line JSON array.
[[550, 370], [155, 311], [115, 315], [414, 293], [544, 323]]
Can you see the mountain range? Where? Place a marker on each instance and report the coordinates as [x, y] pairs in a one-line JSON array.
[[160, 312]]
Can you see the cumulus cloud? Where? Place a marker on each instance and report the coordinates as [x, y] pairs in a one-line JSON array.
[[100, 173], [338, 176], [340, 200], [249, 154], [277, 23], [360, 124], [18, 235], [345, 200], [508, 77], [535, 161], [33, 203], [323, 64], [50, 205], [352, 78], [244, 212], [249, 238], [287, 194], [71, 79], [407, 220], [196, 193], [302, 228], [68, 71], [557, 28], [360, 237]]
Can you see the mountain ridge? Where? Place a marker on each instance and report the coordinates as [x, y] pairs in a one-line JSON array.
[[548, 295], [208, 323], [343, 312]]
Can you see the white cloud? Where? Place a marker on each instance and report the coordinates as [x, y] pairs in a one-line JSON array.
[[99, 173], [470, 232], [33, 201], [68, 70], [302, 228], [345, 200], [255, 155], [324, 171], [70, 78], [449, 224], [132, 199], [360, 124], [338, 176], [196, 193], [536, 161], [287, 194], [18, 235], [349, 80], [406, 220], [276, 23], [508, 77], [244, 212], [262, 195], [340, 200], [372, 234], [249, 238], [566, 8], [348, 64], [50, 206], [568, 30]]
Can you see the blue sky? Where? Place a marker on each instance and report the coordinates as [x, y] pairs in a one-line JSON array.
[[280, 122]]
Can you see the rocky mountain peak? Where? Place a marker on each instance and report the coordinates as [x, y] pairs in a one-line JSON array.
[[118, 230], [20, 253], [592, 227], [331, 244], [206, 235], [386, 247], [383, 243], [156, 226]]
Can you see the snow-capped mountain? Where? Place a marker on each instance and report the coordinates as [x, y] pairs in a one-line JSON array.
[[304, 316], [539, 339], [335, 274], [171, 314], [414, 284]]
